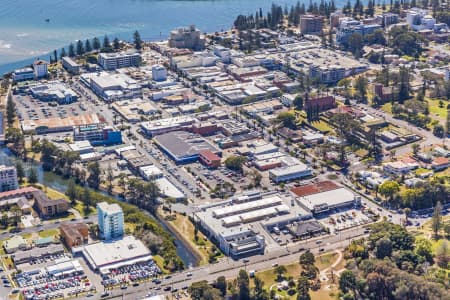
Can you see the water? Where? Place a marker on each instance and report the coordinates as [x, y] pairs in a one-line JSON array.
[[60, 184], [25, 34]]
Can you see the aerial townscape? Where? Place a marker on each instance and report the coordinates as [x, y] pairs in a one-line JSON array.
[[302, 153]]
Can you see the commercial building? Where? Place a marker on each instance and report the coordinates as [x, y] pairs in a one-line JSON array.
[[112, 61], [15, 243], [154, 128], [305, 229], [350, 26], [209, 158], [24, 256], [310, 24], [159, 73], [187, 37], [104, 256], [418, 19], [184, 147], [133, 110], [112, 86], [64, 267], [8, 178], [324, 196], [49, 207], [320, 104], [70, 65], [81, 147], [150, 172], [238, 223], [110, 221], [74, 235], [97, 134], [23, 74], [53, 91], [289, 173], [40, 68], [399, 167], [59, 125]]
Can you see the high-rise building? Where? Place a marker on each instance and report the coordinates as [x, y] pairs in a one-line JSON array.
[[8, 178], [112, 61], [187, 37], [40, 68], [310, 24], [110, 221], [159, 73]]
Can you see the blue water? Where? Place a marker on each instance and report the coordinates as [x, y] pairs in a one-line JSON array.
[[24, 34]]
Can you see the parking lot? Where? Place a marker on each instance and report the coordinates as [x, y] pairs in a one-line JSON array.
[[130, 274], [344, 219], [29, 108]]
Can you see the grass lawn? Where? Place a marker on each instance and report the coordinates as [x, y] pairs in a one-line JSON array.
[[436, 111], [420, 171], [80, 208], [7, 262], [321, 126], [160, 262], [387, 107], [49, 232], [186, 229], [326, 260]]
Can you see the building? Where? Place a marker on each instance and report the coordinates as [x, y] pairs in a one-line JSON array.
[[320, 104], [40, 68], [111, 87], [112, 61], [209, 158], [70, 65], [399, 167], [157, 127], [8, 178], [348, 27], [103, 256], [150, 172], [159, 73], [418, 19], [74, 234], [97, 134], [27, 255], [384, 93], [15, 243], [48, 125], [53, 91], [49, 207], [184, 147], [388, 18], [324, 196], [23, 74], [305, 229], [440, 163], [288, 173], [81, 147], [110, 221], [310, 24], [187, 37]]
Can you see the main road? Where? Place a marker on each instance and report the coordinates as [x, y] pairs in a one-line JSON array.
[[230, 268]]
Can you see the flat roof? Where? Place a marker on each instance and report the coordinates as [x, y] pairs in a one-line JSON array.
[[318, 187], [330, 198], [120, 251], [181, 144]]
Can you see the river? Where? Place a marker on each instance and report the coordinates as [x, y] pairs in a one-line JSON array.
[[58, 183], [26, 34]]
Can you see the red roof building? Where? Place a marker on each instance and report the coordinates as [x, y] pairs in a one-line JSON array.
[[209, 158], [314, 188]]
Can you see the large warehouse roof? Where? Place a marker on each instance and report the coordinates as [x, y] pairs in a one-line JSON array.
[[330, 198]]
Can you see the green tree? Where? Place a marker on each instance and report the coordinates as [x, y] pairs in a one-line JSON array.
[[347, 281], [423, 248], [303, 286], [438, 130], [443, 254], [80, 47], [235, 162], [280, 271], [221, 285], [96, 44], [10, 110], [243, 284], [355, 44], [307, 258], [62, 53], [106, 42], [137, 40], [110, 178], [94, 174], [388, 189], [71, 192], [436, 219], [116, 44], [415, 148], [20, 171], [298, 102], [71, 50], [383, 248], [32, 176], [87, 201], [87, 46], [287, 119]]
